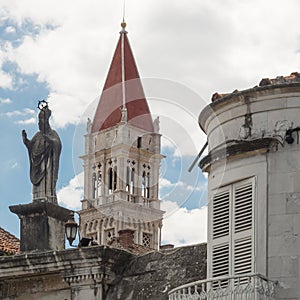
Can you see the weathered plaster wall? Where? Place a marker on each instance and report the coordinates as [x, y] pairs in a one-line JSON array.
[[284, 220], [43, 287]]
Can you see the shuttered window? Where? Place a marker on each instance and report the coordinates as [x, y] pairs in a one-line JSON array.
[[221, 215], [242, 256], [243, 207], [221, 260], [232, 229]]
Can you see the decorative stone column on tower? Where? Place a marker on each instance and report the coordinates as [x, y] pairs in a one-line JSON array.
[[42, 222], [122, 159]]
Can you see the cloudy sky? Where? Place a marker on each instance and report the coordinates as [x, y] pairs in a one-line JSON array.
[[185, 51]]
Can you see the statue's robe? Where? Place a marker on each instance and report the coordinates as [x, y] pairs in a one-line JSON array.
[[44, 152]]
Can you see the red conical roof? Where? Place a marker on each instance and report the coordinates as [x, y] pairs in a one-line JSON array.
[[109, 110]]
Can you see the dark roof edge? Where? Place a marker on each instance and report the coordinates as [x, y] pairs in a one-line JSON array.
[[240, 146]]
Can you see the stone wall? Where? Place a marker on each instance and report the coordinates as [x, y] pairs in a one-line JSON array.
[[152, 275], [99, 273], [64, 275]]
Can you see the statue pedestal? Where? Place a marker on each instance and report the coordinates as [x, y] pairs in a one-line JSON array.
[[42, 226]]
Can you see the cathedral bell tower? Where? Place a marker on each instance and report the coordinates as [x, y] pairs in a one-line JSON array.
[[122, 159]]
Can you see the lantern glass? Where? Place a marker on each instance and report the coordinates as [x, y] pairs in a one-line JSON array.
[[71, 229]]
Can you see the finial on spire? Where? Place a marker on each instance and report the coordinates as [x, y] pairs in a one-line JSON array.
[[123, 24]]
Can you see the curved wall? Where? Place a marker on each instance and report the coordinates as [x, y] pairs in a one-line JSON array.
[[246, 136]]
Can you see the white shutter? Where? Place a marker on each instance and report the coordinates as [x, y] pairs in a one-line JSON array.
[[220, 256], [243, 256], [221, 214], [243, 199], [231, 248], [242, 234]]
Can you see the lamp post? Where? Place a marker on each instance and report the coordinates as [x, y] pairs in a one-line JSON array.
[[71, 229]]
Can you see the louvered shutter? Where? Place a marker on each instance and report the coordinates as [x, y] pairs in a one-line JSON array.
[[220, 235], [232, 230], [243, 207], [220, 260], [242, 231], [242, 256], [221, 206]]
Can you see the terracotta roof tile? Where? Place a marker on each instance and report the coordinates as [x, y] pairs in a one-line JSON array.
[[8, 242], [134, 248], [108, 112], [279, 80], [294, 77]]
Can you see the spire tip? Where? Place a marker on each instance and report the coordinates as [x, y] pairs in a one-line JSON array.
[[123, 24]]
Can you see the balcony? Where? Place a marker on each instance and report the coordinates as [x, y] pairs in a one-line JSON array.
[[243, 287]]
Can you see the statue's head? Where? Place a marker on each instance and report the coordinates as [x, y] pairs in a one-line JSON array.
[[44, 116]]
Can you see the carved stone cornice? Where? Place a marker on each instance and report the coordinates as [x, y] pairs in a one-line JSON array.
[[87, 276]]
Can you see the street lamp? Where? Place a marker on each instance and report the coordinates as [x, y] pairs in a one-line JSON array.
[[71, 229]]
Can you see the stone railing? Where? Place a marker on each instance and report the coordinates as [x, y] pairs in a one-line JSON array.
[[243, 287], [124, 196]]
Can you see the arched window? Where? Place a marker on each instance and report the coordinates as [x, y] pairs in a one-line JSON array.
[[146, 185], [99, 184], [115, 179], [127, 179], [131, 183], [112, 179], [130, 180], [94, 186]]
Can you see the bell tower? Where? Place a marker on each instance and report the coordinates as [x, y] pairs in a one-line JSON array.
[[122, 159]]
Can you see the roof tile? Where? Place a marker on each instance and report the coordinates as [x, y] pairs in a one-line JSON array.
[[108, 113], [8, 242]]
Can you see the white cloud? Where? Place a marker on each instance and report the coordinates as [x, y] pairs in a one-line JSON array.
[[26, 121], [14, 113], [217, 47], [60, 117], [10, 29], [70, 195], [182, 226], [165, 183], [5, 80], [5, 101], [24, 112]]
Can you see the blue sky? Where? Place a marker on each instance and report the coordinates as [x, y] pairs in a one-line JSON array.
[[19, 110], [61, 50]]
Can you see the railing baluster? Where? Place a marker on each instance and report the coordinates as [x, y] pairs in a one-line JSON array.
[[239, 287]]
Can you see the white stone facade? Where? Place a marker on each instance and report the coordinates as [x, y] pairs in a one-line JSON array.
[[247, 143], [121, 173]]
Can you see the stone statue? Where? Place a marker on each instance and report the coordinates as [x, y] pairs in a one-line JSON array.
[[44, 151], [89, 126], [156, 125]]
